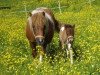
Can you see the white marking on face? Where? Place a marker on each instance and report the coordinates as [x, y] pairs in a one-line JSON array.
[[40, 58], [62, 28]]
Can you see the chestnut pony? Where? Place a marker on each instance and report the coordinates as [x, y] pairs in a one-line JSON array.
[[40, 29]]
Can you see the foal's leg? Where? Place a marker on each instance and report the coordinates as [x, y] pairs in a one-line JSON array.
[[33, 46], [71, 53], [75, 52], [67, 52], [62, 45]]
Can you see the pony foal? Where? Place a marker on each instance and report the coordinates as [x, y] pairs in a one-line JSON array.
[[66, 36]]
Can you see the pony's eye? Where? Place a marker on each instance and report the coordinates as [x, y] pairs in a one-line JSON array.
[[33, 27]]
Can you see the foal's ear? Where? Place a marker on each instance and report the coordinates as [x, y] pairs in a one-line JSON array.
[[30, 14]]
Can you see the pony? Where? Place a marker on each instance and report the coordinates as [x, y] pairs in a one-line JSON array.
[[66, 37], [40, 28]]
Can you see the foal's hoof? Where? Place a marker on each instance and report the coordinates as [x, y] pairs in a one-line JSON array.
[[34, 55]]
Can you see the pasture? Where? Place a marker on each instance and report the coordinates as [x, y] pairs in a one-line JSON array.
[[15, 52]]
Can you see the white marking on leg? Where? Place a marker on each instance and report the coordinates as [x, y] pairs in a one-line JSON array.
[[71, 56], [71, 53], [62, 28], [41, 58], [69, 46], [67, 52]]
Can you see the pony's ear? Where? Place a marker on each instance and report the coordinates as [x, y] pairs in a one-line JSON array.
[[74, 26], [43, 13], [30, 14]]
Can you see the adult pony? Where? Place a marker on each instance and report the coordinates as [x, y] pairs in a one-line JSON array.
[[66, 36], [40, 29]]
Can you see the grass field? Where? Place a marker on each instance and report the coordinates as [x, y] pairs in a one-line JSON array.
[[15, 52]]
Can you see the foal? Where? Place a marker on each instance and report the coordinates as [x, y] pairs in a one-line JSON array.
[[66, 37]]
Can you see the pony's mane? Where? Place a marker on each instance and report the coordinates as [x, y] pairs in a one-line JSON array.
[[38, 18]]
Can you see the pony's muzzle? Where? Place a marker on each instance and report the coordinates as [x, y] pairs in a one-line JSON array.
[[40, 41]]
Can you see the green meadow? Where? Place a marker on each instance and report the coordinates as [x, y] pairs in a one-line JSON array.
[[15, 52]]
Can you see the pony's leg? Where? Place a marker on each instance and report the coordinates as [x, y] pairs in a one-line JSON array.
[[41, 57], [42, 53], [71, 53], [33, 46]]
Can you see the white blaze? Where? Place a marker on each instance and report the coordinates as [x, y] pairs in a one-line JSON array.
[[41, 58]]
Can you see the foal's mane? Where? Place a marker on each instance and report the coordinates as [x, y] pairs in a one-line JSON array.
[[68, 26]]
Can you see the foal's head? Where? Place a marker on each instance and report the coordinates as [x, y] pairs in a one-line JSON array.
[[70, 33], [67, 33]]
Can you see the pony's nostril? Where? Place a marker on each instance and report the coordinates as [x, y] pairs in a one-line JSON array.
[[39, 41]]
